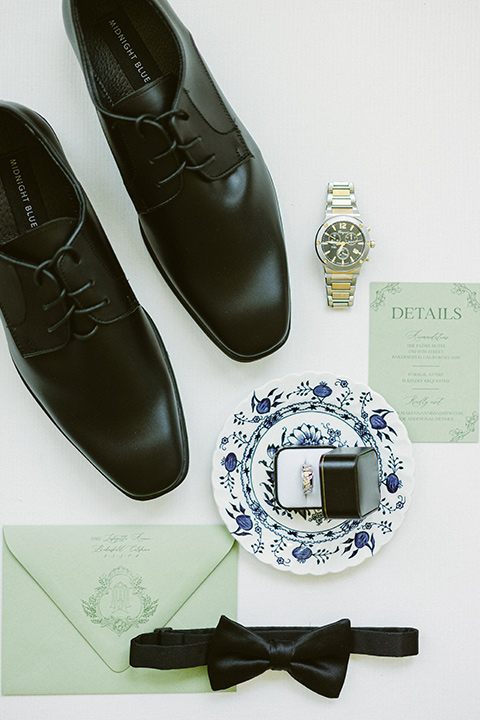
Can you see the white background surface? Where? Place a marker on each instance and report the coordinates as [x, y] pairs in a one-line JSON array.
[[382, 92]]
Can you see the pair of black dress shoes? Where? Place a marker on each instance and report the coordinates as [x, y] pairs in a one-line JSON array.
[[85, 348]]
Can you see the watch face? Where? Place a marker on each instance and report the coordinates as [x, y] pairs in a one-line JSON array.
[[341, 243]]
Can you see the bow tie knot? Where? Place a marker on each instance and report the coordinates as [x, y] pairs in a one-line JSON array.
[[281, 654]]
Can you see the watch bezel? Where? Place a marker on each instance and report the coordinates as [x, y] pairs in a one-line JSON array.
[[328, 223]]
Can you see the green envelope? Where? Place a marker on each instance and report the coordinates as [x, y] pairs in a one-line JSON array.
[[74, 596]]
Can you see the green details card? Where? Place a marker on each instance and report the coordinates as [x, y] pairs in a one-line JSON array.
[[424, 356]]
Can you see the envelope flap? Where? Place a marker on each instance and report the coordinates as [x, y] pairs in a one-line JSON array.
[[113, 582]]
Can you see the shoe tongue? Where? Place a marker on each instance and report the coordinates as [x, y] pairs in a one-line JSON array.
[[40, 243], [154, 99]]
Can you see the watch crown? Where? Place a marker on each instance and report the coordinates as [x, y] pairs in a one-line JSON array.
[[367, 259], [372, 243]]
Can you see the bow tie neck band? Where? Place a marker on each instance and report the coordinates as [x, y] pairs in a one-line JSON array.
[[315, 657]]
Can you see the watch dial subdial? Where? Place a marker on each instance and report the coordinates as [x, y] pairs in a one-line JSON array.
[[331, 238]]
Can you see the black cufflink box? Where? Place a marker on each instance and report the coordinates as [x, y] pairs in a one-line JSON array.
[[345, 480]]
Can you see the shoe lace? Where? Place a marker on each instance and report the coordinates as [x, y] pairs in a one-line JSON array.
[[159, 122], [47, 268]]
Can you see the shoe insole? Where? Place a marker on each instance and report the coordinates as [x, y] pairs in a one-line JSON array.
[[21, 202], [33, 189], [129, 46]]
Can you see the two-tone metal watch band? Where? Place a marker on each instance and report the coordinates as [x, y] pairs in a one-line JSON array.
[[341, 199], [341, 285], [340, 288]]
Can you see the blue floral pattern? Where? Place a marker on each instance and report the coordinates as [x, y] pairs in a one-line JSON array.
[[307, 410]]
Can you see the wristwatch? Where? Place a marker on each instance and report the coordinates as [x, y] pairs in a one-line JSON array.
[[342, 244]]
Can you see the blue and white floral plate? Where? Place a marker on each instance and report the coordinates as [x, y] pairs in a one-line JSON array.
[[309, 409]]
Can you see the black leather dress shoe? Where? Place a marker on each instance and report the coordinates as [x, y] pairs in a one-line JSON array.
[[83, 346], [207, 206]]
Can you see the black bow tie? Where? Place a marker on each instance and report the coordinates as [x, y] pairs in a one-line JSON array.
[[317, 659]]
